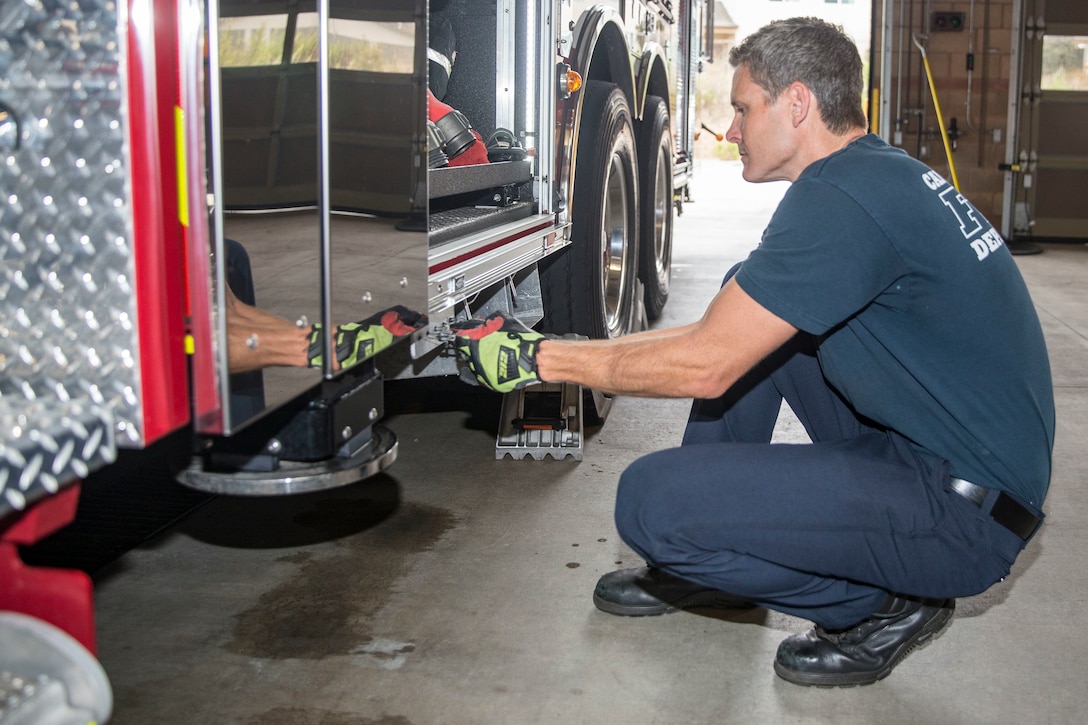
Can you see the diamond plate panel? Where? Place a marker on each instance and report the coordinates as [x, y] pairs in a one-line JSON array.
[[47, 444], [68, 334]]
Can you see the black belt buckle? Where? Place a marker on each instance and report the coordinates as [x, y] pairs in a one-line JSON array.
[[1011, 514]]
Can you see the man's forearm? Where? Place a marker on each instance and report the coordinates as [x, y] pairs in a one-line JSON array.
[[644, 365], [700, 360]]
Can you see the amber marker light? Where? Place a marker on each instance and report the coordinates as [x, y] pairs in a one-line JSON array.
[[569, 79], [574, 81]]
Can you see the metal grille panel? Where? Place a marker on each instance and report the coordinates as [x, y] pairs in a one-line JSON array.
[[44, 445], [68, 333], [68, 319]]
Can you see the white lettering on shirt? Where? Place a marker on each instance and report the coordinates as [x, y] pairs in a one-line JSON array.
[[989, 242], [933, 180], [966, 216], [965, 213]]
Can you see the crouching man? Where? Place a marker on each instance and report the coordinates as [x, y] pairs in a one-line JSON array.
[[916, 364]]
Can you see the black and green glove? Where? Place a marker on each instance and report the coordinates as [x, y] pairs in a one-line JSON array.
[[356, 341], [500, 351]]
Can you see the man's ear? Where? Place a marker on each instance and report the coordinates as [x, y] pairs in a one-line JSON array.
[[802, 102]]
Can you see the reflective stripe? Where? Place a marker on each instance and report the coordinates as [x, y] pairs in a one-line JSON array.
[[435, 57]]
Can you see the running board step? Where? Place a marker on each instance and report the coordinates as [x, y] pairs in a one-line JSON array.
[[547, 420]]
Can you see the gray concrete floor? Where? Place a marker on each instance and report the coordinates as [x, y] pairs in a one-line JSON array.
[[457, 588]]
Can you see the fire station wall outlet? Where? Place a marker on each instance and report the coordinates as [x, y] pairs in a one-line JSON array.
[[947, 21]]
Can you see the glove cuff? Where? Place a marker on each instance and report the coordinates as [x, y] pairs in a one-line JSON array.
[[315, 354]]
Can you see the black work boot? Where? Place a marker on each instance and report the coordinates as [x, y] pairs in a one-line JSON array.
[[646, 591], [866, 652]]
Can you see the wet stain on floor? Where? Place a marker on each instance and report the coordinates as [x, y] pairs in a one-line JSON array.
[[326, 607]]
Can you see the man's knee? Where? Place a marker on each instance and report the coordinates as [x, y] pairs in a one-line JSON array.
[[639, 507]]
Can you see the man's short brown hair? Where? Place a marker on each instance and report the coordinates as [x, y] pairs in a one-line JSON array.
[[815, 53]]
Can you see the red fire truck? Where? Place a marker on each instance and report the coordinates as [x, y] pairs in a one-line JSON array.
[[327, 161]]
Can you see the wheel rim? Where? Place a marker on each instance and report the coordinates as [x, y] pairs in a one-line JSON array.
[[614, 245], [662, 215]]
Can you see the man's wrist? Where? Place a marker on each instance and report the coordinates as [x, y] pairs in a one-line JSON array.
[[544, 350]]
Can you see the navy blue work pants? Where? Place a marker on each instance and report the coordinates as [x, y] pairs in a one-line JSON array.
[[822, 530]]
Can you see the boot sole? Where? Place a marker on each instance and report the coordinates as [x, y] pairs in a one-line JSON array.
[[933, 629], [708, 600]]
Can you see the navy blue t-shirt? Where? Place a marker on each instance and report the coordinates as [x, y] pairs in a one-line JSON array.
[[924, 321]]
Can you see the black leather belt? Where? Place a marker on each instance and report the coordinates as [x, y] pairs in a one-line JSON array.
[[1004, 509]]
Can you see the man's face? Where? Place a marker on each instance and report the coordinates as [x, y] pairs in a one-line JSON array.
[[761, 129]]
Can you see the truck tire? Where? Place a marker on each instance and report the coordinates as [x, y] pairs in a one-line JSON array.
[[589, 288], [656, 197]]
